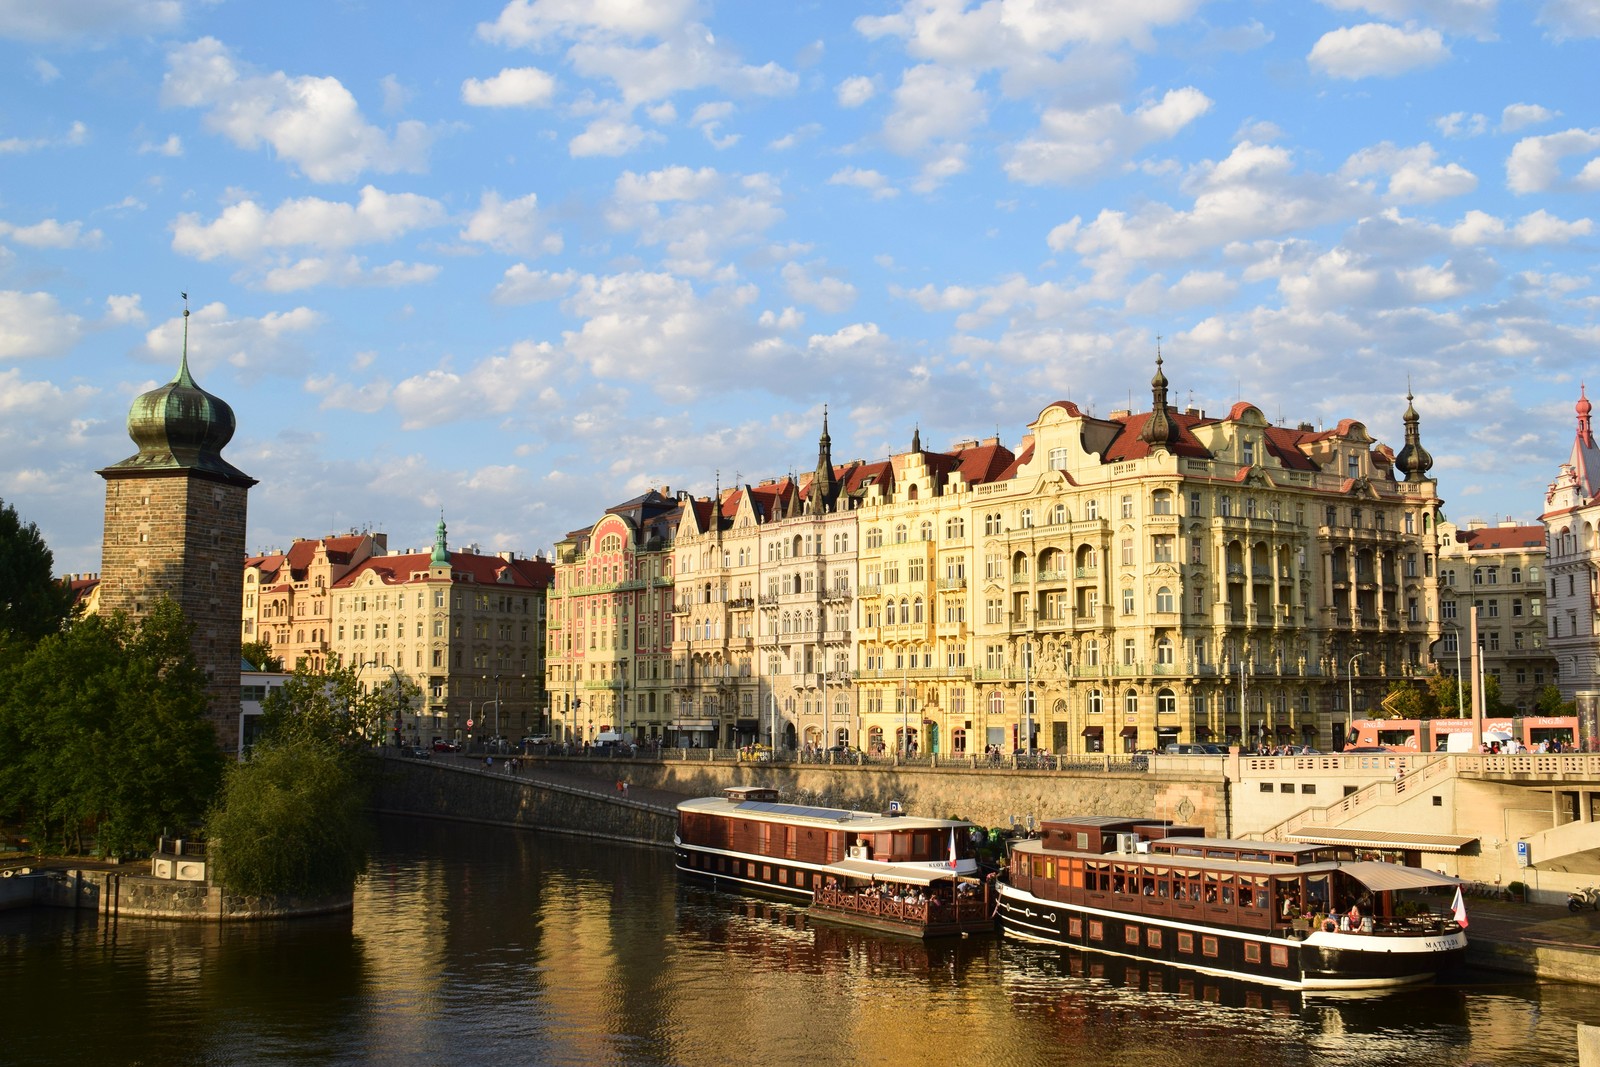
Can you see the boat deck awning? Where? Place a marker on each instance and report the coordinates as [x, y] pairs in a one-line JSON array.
[[889, 872], [1383, 839], [1389, 877]]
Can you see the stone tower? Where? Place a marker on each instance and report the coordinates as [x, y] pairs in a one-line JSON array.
[[175, 523]]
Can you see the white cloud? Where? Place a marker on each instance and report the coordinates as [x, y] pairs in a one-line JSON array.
[[529, 22], [313, 123], [869, 180], [1535, 162], [695, 215], [1413, 175], [1072, 145], [339, 395], [1462, 124], [853, 92], [1520, 116], [76, 134], [245, 229], [512, 87], [1566, 19], [61, 21], [822, 291], [1002, 31], [1374, 50], [172, 146], [609, 136], [513, 226], [124, 310], [794, 137], [271, 342], [44, 70], [932, 103], [346, 271], [523, 286], [50, 233], [33, 325]]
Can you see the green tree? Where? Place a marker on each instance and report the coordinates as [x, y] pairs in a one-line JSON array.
[[32, 602], [1450, 696], [291, 820], [103, 734], [332, 704], [1549, 702], [1406, 701], [259, 655]]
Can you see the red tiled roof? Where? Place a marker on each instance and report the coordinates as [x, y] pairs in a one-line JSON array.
[[464, 566], [1490, 538]]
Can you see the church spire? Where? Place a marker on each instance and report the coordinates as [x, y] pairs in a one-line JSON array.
[[1413, 460], [1159, 429], [822, 487], [916, 439], [441, 553]]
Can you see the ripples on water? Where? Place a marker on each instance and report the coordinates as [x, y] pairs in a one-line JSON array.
[[474, 945]]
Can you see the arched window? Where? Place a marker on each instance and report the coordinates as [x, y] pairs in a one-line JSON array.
[[1091, 652], [1164, 651], [1166, 702], [997, 702], [1164, 600], [1094, 703], [1130, 703], [927, 531], [916, 611], [1058, 515], [900, 533]]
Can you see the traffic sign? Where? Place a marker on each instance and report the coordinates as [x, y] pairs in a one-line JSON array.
[[1522, 853], [469, 724]]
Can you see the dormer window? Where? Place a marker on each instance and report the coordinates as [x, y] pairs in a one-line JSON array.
[[1248, 449], [1352, 466]]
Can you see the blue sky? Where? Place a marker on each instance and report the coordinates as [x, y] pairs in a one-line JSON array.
[[521, 262]]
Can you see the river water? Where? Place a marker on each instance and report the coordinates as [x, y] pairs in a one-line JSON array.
[[481, 945]]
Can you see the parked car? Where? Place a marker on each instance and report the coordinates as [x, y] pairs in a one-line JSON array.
[[536, 739], [442, 745], [415, 752]]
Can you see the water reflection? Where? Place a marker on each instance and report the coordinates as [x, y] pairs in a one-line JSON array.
[[473, 944]]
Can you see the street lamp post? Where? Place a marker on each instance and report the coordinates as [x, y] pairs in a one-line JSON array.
[[1350, 685]]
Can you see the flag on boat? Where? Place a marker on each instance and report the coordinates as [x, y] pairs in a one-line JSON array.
[[1459, 908], [952, 848]]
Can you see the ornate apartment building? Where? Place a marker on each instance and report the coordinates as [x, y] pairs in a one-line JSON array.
[[468, 629], [1115, 584], [1499, 571], [609, 661], [288, 595], [1571, 513]]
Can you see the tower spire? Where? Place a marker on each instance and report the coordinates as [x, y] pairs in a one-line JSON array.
[[822, 487], [184, 377], [1413, 460], [1159, 429]]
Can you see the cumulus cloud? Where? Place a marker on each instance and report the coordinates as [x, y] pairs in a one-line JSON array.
[[1375, 50], [869, 180], [1474, 17], [172, 146], [932, 103], [1462, 124], [69, 21], [520, 285], [853, 92], [696, 216], [609, 136], [34, 325], [76, 135], [512, 226], [821, 290], [312, 123], [1520, 116], [344, 271], [512, 87], [1072, 145], [1567, 19], [1535, 162], [245, 229], [272, 342], [530, 22], [1413, 175], [50, 233]]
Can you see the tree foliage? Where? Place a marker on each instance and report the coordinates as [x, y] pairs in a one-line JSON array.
[[32, 602], [291, 819], [1549, 702], [259, 655], [103, 734], [331, 704]]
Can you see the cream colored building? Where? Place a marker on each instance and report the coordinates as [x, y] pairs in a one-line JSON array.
[[1571, 518], [287, 594], [1500, 571], [467, 628]]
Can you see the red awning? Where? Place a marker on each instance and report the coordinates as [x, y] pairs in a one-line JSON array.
[[1130, 731], [1231, 731], [1094, 731], [1284, 730], [1202, 732]]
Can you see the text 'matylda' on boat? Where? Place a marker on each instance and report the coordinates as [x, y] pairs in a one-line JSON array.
[[888, 871], [1303, 916]]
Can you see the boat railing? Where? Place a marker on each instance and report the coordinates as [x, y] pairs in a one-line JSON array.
[[914, 912], [1408, 926]]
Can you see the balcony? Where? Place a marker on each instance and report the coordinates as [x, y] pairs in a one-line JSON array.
[[952, 583]]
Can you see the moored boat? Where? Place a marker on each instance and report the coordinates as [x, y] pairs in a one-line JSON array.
[[1294, 915], [885, 871]]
